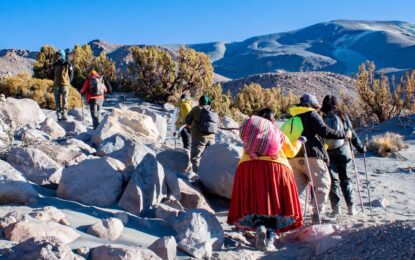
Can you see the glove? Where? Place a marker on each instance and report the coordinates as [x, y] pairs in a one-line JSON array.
[[302, 139]]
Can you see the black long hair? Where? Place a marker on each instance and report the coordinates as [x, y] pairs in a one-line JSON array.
[[267, 114], [330, 104]]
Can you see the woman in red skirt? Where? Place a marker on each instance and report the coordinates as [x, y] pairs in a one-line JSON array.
[[264, 195]]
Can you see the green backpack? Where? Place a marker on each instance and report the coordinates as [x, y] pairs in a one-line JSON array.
[[293, 128]]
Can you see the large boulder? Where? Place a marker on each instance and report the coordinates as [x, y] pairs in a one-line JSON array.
[[73, 127], [192, 198], [127, 151], [11, 218], [35, 165], [165, 248], [14, 188], [23, 230], [217, 168], [146, 187], [41, 249], [21, 112], [131, 125], [176, 159], [49, 214], [198, 233], [108, 229], [6, 137], [159, 121], [52, 128], [30, 135], [94, 182], [79, 145], [119, 252]]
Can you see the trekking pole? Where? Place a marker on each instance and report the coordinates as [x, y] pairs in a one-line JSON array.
[[82, 103], [305, 202], [367, 178], [357, 175], [311, 180]]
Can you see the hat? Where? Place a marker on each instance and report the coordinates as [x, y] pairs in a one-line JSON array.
[[93, 73], [205, 100], [62, 53], [309, 100]]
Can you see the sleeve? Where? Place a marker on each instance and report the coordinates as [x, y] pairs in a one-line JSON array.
[[174, 118], [85, 87], [357, 143], [317, 123], [291, 149], [108, 85], [189, 118]]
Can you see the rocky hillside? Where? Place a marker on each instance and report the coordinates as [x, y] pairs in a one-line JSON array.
[[13, 61], [319, 83]]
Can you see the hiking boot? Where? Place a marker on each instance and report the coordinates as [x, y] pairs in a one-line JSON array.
[[269, 243], [336, 210], [351, 210], [64, 116], [323, 218], [261, 235]]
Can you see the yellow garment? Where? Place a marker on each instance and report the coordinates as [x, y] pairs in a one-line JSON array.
[[289, 150], [185, 106], [298, 110]]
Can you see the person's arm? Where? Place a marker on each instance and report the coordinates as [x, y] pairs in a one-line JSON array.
[[108, 85], [317, 123], [357, 143], [85, 87], [189, 118], [291, 149]]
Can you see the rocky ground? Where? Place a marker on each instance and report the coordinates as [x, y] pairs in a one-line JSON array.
[[123, 192]]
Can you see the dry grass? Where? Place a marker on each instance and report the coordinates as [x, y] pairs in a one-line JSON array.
[[387, 144]]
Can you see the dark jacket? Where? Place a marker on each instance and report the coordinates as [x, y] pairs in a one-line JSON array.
[[193, 120], [314, 130], [62, 72]]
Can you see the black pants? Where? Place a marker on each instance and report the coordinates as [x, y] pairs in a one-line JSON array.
[[185, 134], [95, 106], [340, 173]]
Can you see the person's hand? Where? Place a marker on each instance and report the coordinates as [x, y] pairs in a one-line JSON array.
[[174, 134], [349, 134], [302, 139], [364, 149]]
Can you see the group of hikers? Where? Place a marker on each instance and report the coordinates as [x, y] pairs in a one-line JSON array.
[[93, 88], [312, 149]]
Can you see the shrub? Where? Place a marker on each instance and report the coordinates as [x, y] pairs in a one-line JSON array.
[[221, 102], [41, 68], [253, 97], [40, 90], [154, 72], [377, 95], [387, 144], [194, 72]]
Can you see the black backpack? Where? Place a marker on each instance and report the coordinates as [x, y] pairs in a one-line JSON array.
[[96, 86], [209, 122]]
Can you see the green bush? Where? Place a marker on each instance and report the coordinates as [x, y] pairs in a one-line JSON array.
[[44, 60], [40, 90]]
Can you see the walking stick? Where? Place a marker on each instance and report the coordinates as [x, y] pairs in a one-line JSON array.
[[357, 176], [311, 180], [82, 102], [367, 179], [305, 202]]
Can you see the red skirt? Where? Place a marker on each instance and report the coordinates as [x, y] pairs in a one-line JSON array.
[[268, 189]]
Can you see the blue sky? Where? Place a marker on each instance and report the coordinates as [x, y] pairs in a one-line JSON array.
[[28, 24]]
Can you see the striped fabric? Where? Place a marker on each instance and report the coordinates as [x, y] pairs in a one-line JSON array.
[[260, 137]]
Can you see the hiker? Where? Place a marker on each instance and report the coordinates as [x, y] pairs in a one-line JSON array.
[[62, 72], [264, 195], [94, 88], [307, 122], [203, 124], [183, 108], [339, 152]]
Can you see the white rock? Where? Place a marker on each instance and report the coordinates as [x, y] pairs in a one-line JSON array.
[[119, 252], [132, 125], [93, 182], [14, 188], [198, 233], [166, 212], [217, 168], [165, 248], [41, 249], [73, 127], [22, 112], [6, 136], [146, 187], [23, 230], [380, 203], [80, 145], [109, 229], [35, 165], [49, 214], [159, 121], [192, 198], [52, 128], [11, 218], [175, 159]]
